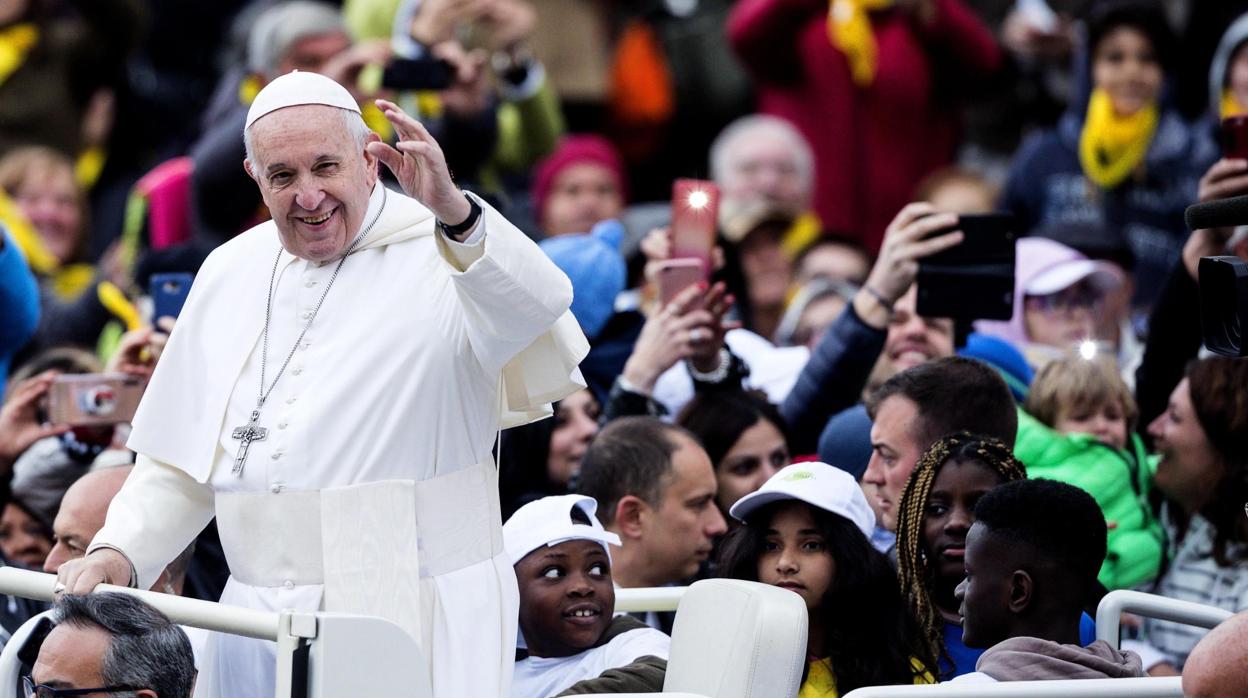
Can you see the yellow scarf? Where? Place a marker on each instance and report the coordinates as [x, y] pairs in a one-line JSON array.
[[849, 28], [1231, 106], [15, 42], [1111, 147]]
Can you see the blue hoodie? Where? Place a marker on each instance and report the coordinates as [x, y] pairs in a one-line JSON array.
[[19, 303]]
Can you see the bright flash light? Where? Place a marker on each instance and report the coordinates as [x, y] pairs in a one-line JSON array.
[[699, 199], [1087, 350]]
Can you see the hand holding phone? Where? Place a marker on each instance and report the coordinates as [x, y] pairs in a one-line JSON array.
[[676, 275]]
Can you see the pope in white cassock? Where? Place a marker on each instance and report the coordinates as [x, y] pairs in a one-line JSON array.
[[332, 392]]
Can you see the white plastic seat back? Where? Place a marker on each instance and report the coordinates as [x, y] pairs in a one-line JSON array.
[[10, 664], [736, 639]]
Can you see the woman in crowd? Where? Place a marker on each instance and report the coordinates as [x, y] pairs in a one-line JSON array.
[[807, 529], [937, 509], [542, 458], [1122, 157], [49, 221], [1059, 296], [1202, 439], [581, 183], [743, 434]]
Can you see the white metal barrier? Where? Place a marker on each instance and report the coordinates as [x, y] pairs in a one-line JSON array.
[[1169, 687], [1109, 612], [316, 652], [644, 599]]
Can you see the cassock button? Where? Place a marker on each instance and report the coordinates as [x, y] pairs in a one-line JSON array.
[[275, 488], [276, 455], [310, 283], [291, 400], [296, 371], [307, 314], [288, 584], [281, 425]]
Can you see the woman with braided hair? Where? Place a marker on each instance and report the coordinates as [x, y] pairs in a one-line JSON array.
[[937, 509]]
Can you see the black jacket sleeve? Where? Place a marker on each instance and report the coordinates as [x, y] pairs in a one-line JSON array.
[[1174, 339], [645, 675], [832, 380]]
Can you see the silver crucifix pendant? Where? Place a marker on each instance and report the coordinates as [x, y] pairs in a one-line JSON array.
[[252, 431]]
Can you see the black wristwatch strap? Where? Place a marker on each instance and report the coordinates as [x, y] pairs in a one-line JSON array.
[[455, 231]]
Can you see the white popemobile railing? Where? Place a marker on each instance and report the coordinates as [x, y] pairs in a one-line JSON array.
[[322, 655], [319, 655]]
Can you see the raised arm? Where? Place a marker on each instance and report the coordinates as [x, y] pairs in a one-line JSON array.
[[764, 33]]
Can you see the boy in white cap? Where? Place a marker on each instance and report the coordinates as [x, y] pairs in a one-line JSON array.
[[571, 642], [808, 530]]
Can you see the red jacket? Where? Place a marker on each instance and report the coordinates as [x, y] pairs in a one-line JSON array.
[[872, 145]]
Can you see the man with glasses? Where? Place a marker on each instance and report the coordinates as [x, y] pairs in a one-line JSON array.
[[110, 643]]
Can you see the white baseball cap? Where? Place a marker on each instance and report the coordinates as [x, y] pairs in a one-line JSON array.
[[297, 88], [819, 485], [548, 522], [1061, 276]]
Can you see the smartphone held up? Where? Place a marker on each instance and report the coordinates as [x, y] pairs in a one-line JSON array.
[[94, 398], [973, 280], [695, 219]]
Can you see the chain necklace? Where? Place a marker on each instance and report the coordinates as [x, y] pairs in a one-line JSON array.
[[252, 431]]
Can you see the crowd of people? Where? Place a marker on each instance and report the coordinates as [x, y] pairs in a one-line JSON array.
[[950, 496]]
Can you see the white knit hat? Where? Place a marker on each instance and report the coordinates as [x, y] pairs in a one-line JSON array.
[[548, 522], [298, 88], [819, 485]]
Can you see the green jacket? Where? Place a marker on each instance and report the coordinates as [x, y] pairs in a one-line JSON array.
[[1120, 481]]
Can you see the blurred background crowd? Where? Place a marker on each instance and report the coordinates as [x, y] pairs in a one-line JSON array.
[[844, 138]]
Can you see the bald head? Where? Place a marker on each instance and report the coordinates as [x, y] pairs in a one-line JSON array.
[[1218, 666], [82, 513]]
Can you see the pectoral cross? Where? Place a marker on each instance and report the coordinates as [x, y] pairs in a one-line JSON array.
[[252, 431]]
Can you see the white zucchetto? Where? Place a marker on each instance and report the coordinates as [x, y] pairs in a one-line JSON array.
[[298, 88]]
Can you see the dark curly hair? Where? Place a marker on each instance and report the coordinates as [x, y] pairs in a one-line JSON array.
[[872, 640]]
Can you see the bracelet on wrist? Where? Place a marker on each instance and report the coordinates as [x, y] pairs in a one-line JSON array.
[[880, 299], [457, 230], [715, 375]]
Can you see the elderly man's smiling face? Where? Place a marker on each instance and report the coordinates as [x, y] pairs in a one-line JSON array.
[[314, 177]]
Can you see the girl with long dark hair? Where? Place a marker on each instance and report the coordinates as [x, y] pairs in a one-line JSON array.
[[807, 530]]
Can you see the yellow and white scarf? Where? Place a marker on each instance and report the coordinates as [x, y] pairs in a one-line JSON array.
[[1113, 146], [15, 42], [849, 28]]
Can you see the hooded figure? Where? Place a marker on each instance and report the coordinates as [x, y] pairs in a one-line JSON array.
[[1121, 156]]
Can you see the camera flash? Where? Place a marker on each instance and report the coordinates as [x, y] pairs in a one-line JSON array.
[[1087, 350], [699, 199]]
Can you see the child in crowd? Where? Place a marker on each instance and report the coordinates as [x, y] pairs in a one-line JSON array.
[[807, 529], [937, 509], [1080, 407], [1074, 395], [1032, 557], [570, 640]]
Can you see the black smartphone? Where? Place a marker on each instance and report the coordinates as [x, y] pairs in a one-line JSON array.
[[424, 73], [169, 292], [973, 280]]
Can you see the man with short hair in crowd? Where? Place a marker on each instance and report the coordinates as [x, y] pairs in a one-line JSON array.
[[917, 407], [111, 643], [1032, 557], [81, 516], [655, 488]]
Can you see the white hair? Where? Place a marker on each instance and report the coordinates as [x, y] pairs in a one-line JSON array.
[[278, 28], [754, 126], [352, 121]]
